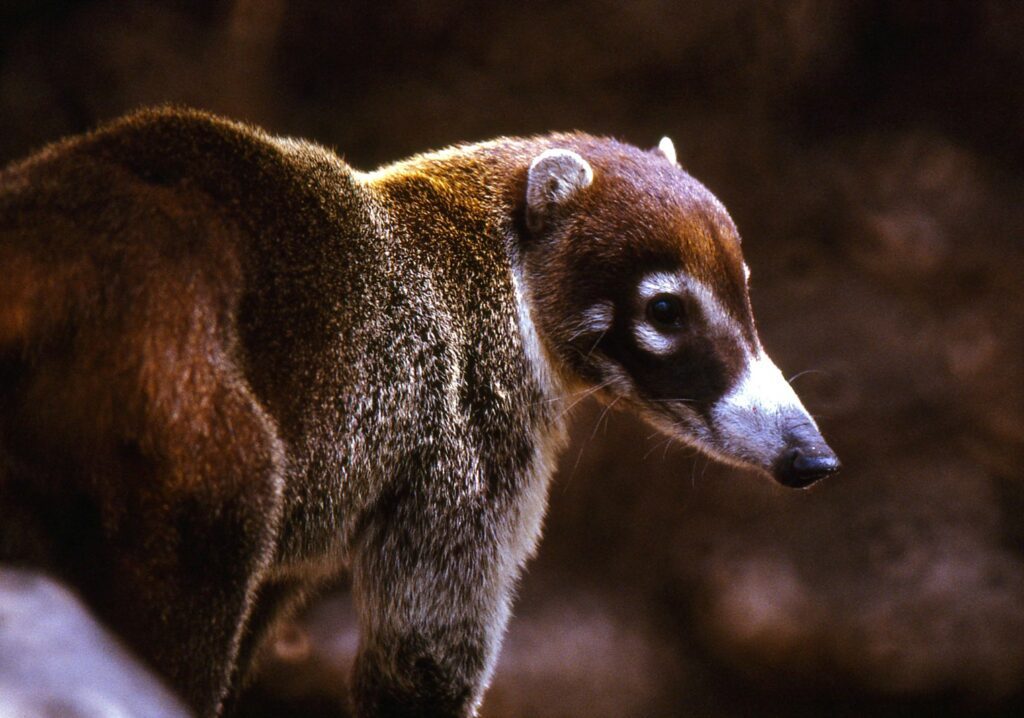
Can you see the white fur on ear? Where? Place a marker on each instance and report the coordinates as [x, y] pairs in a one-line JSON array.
[[554, 177], [668, 148]]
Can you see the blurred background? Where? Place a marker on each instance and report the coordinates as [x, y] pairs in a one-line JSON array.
[[872, 155]]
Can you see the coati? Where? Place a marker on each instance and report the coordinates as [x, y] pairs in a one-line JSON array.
[[231, 365]]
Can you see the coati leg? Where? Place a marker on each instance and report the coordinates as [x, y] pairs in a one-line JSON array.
[[198, 595], [432, 598], [185, 564], [173, 576], [165, 523]]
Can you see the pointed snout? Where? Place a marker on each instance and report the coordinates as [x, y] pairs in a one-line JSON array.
[[804, 463], [762, 423]]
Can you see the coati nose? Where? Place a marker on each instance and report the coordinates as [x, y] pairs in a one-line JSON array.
[[800, 467]]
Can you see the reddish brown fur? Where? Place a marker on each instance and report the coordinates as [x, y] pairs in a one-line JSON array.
[[122, 406], [228, 363]]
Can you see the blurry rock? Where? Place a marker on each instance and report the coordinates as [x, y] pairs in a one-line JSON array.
[[972, 344], [912, 595], [55, 660], [913, 201], [304, 669], [580, 655], [943, 611], [291, 642], [759, 609], [901, 241]]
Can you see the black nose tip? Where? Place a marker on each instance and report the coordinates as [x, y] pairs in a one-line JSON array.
[[799, 468]]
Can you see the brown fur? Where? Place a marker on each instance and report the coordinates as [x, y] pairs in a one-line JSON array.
[[230, 364]]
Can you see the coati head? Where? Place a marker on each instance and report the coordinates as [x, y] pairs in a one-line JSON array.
[[640, 290]]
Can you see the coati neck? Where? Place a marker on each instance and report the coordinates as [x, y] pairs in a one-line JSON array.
[[474, 196]]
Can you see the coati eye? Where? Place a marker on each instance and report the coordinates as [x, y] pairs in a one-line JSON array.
[[665, 311]]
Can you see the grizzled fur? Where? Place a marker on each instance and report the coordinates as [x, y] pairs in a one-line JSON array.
[[231, 365]]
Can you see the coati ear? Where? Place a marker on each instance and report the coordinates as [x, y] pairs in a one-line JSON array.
[[668, 149], [554, 177]]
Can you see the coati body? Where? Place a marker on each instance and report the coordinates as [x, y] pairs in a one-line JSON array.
[[231, 365]]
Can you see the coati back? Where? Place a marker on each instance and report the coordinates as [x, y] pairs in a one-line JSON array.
[[231, 365]]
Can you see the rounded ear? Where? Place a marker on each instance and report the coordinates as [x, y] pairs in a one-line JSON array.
[[554, 177], [667, 148]]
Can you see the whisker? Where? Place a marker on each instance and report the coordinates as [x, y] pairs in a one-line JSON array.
[[563, 397], [580, 332], [665, 446], [596, 342], [603, 415], [666, 440], [585, 444], [582, 393], [586, 393], [572, 472], [806, 371], [707, 463]]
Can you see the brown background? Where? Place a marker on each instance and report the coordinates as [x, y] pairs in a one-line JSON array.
[[872, 154]]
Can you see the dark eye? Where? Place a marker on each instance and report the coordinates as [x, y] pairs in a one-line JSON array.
[[665, 311]]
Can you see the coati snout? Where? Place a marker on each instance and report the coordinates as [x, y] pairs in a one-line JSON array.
[[238, 367]]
